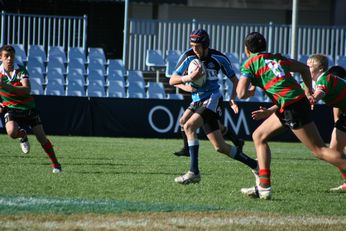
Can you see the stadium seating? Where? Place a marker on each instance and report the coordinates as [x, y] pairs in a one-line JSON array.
[[75, 87], [116, 75], [37, 51], [154, 60], [96, 74], [116, 88], [20, 52], [341, 60], [57, 51], [55, 73], [136, 90], [36, 61], [175, 96], [76, 63], [156, 91], [36, 72], [96, 89], [135, 76], [97, 52], [172, 58], [77, 53], [96, 64], [56, 62], [303, 58], [36, 86], [115, 65], [233, 57], [55, 87]]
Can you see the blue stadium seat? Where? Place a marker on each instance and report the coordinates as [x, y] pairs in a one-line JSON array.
[[341, 60], [233, 57], [76, 63], [135, 76], [96, 75], [96, 89], [116, 75], [96, 64], [136, 90], [303, 58], [97, 52], [116, 88], [55, 73], [77, 53], [115, 65], [36, 61], [154, 59], [36, 86], [156, 91], [36, 72], [76, 74], [175, 96], [37, 51], [57, 51], [20, 51], [75, 87], [56, 62], [171, 62], [55, 87]]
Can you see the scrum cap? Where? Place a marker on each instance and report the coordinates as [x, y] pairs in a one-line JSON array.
[[200, 36]]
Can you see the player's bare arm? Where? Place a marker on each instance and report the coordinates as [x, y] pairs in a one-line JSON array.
[[177, 79], [244, 88], [187, 88], [263, 113], [25, 88]]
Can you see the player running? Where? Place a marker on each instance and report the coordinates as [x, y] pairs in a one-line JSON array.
[[271, 72], [206, 104], [19, 106]]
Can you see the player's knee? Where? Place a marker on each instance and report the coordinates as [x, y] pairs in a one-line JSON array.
[[182, 121], [258, 136]]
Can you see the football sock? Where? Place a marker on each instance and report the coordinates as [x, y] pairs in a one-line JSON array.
[[48, 148], [242, 157], [264, 175], [233, 137], [183, 134], [193, 150], [343, 174]]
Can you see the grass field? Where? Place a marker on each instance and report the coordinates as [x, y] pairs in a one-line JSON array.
[[128, 184]]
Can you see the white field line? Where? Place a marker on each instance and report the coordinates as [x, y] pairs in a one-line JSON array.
[[111, 223], [163, 220]]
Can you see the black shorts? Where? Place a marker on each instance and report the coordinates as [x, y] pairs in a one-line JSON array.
[[341, 122], [211, 111], [23, 117], [296, 115]]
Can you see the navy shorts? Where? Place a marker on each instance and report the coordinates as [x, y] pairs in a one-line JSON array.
[[341, 122], [23, 117], [296, 115]]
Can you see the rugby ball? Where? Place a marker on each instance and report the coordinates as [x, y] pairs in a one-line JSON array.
[[202, 79]]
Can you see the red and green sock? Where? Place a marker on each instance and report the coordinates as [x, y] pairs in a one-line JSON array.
[[264, 175], [48, 148], [343, 174]]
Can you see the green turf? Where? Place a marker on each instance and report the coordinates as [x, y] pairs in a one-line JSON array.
[[111, 175]]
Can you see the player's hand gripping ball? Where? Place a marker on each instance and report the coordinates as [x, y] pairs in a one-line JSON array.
[[202, 78]]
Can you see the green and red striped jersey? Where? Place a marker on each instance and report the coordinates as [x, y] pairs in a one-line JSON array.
[[12, 99], [271, 73], [334, 89]]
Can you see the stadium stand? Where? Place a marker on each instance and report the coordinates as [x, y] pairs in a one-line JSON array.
[[116, 75], [135, 76], [115, 65], [156, 91], [96, 74], [36, 86], [96, 89], [154, 60], [37, 51], [36, 72], [57, 51], [136, 90], [76, 53], [76, 63], [55, 73], [98, 53], [55, 87], [36, 62], [76, 74], [20, 52], [341, 60], [75, 87], [172, 57], [56, 62], [116, 88], [175, 96]]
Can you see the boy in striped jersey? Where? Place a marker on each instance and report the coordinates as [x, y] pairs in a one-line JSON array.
[[292, 109], [19, 106], [332, 90]]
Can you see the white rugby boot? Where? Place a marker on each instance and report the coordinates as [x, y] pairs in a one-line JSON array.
[[258, 192], [188, 178]]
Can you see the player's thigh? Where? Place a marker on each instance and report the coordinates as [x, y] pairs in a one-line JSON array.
[[194, 122], [186, 115], [11, 128], [310, 137], [269, 128]]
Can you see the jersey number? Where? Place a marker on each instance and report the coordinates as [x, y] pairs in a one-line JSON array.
[[275, 67]]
